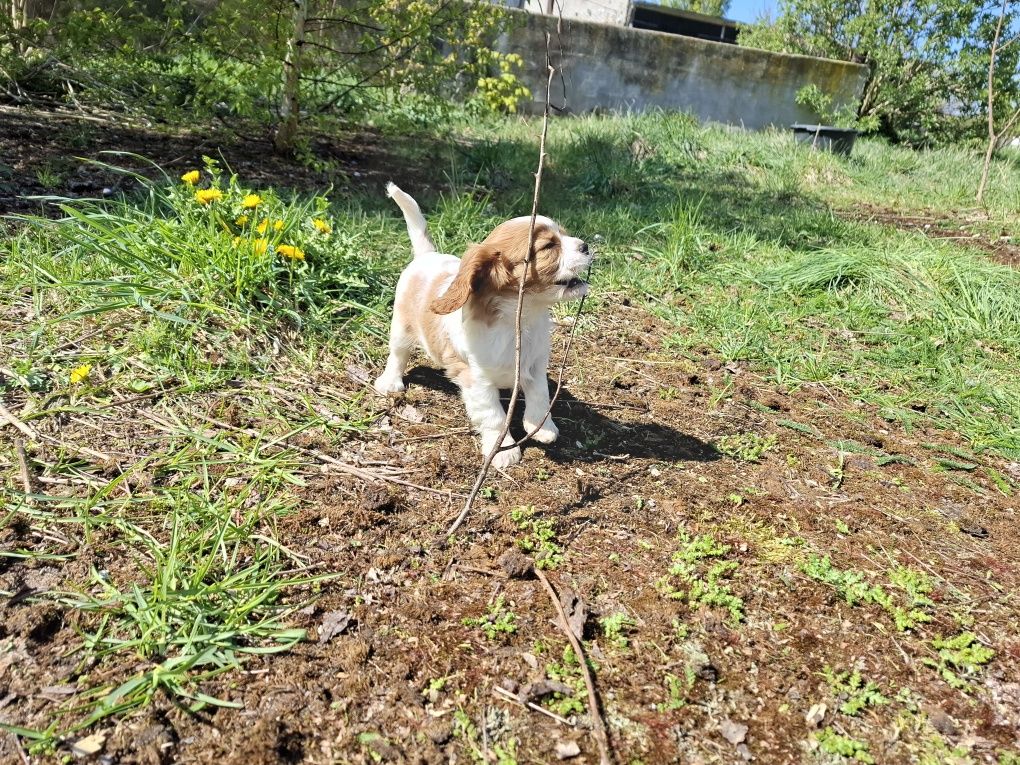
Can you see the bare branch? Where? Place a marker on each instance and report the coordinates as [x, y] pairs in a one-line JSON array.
[[598, 727], [496, 447]]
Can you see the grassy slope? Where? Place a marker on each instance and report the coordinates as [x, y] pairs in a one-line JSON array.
[[730, 238]]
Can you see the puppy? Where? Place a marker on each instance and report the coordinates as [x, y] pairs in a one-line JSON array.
[[461, 312]]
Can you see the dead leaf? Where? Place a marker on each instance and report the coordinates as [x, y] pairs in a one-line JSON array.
[[85, 747], [410, 414], [333, 624], [576, 611], [359, 374]]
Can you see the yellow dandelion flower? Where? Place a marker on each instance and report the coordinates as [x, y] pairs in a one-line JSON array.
[[205, 196], [242, 220], [80, 374], [191, 177], [277, 225], [260, 246], [251, 201], [289, 251], [321, 226], [261, 228]]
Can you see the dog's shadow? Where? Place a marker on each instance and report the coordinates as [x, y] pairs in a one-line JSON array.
[[588, 435]]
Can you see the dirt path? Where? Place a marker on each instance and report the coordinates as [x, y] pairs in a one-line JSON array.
[[959, 230]]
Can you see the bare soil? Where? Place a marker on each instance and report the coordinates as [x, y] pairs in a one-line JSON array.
[[963, 229], [636, 463]]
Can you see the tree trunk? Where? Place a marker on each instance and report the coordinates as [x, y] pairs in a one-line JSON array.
[[22, 12], [290, 105], [992, 137]]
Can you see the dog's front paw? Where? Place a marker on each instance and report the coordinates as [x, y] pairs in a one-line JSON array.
[[546, 434], [507, 458], [387, 386], [502, 459]]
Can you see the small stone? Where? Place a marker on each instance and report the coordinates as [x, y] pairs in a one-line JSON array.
[[733, 732], [516, 565], [567, 749], [815, 715], [942, 722]]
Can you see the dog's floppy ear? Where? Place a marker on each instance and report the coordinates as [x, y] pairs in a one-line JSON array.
[[479, 267]]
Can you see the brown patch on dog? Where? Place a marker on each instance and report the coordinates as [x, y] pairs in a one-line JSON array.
[[495, 267], [481, 269]]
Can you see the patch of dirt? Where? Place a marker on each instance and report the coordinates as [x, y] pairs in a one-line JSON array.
[[1002, 248], [52, 153], [636, 464]]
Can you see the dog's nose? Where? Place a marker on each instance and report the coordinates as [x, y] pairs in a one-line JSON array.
[[583, 248]]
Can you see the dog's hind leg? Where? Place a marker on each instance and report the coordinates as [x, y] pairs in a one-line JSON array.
[[401, 345]]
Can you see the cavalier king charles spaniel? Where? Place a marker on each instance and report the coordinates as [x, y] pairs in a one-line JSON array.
[[461, 312]]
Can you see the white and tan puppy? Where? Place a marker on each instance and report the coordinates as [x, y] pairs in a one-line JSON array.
[[461, 312]]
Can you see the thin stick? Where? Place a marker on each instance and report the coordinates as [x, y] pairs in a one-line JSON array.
[[505, 694], [496, 447], [365, 475], [26, 477], [80, 450], [598, 727], [9, 418]]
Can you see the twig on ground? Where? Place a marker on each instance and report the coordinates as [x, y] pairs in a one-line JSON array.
[[503, 693], [497, 444], [9, 418], [365, 475], [598, 727], [19, 750], [79, 450], [26, 477], [444, 434]]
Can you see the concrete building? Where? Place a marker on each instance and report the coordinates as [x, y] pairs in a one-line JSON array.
[[608, 66], [640, 14]]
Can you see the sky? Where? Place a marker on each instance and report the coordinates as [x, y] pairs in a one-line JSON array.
[[750, 10]]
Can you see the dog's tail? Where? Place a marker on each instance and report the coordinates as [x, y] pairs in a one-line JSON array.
[[417, 229]]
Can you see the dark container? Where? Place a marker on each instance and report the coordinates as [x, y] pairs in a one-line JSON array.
[[825, 137]]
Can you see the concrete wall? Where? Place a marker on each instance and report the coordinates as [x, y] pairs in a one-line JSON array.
[[602, 11], [613, 68]]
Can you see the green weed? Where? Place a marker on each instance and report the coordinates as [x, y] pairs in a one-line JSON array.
[[568, 672], [539, 539], [857, 693], [747, 447], [831, 742], [677, 689], [855, 589], [959, 658], [497, 623], [698, 577], [615, 626]]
